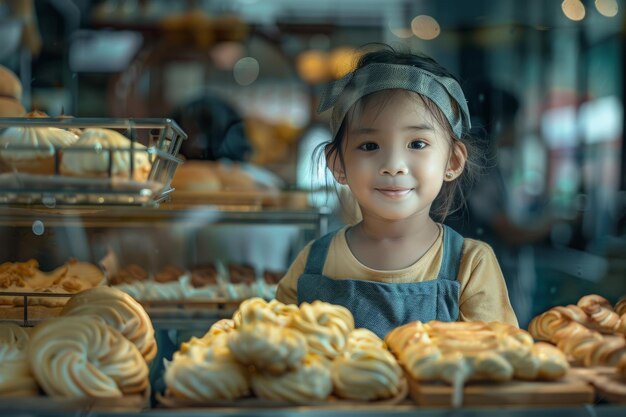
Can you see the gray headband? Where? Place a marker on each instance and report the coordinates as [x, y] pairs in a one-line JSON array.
[[343, 93]]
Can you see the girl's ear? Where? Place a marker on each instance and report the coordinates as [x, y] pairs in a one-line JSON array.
[[334, 164], [456, 162]]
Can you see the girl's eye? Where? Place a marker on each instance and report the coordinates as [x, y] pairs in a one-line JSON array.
[[369, 146], [417, 144]]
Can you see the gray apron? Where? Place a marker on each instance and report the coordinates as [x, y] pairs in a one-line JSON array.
[[380, 306]]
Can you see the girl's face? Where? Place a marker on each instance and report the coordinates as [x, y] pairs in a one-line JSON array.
[[395, 158]]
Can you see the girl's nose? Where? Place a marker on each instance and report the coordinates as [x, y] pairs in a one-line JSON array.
[[394, 166]]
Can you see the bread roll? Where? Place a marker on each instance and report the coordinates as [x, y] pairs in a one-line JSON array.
[[12, 334], [196, 176], [84, 357], [43, 140], [94, 162], [10, 107], [10, 85], [120, 311]]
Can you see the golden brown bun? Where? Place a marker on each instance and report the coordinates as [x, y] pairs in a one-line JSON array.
[[10, 107], [196, 176], [10, 85]]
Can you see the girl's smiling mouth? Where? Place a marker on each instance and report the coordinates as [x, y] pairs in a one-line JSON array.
[[394, 192]]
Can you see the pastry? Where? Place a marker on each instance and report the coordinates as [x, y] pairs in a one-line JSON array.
[[256, 309], [309, 383], [601, 313], [268, 347], [16, 378], [364, 339], [168, 274], [326, 327], [128, 275], [120, 311], [196, 176], [43, 141], [204, 275], [10, 94], [366, 373], [205, 374], [84, 357], [620, 306], [95, 159], [12, 334], [552, 362]]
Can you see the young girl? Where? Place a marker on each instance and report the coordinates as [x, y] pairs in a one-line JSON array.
[[400, 143]]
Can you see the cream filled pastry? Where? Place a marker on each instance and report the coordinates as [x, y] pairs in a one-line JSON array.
[[366, 373], [268, 347], [94, 160], [12, 334], [257, 309], [326, 327], [84, 357], [204, 373], [16, 379], [120, 311], [310, 382]]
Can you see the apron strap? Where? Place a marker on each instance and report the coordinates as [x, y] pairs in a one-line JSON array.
[[452, 254], [317, 255]]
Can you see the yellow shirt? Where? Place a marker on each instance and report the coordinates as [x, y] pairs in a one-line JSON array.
[[483, 294]]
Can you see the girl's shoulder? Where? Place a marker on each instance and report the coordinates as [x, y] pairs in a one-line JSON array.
[[477, 250]]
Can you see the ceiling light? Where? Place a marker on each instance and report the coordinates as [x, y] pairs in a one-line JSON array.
[[425, 27], [573, 9], [607, 8]]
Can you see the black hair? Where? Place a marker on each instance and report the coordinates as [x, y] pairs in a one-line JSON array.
[[452, 195], [215, 130]]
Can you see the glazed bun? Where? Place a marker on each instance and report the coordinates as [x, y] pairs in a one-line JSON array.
[[10, 107]]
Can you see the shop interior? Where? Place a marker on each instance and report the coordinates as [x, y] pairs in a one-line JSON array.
[[544, 86]]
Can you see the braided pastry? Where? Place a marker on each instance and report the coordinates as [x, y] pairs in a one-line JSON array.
[[576, 341], [268, 347], [366, 373], [16, 379], [601, 313], [205, 374], [120, 311], [620, 306], [608, 352], [364, 338], [325, 326], [84, 357], [552, 362], [311, 382]]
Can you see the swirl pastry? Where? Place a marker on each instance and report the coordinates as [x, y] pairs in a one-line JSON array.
[[84, 357], [257, 309], [364, 338], [16, 379], [310, 382], [601, 313], [543, 326], [12, 334], [366, 373], [120, 311], [206, 374], [575, 340], [268, 347], [325, 326]]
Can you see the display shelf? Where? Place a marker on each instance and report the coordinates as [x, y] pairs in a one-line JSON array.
[[122, 217]]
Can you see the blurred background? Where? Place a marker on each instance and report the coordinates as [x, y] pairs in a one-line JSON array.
[[544, 81]]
